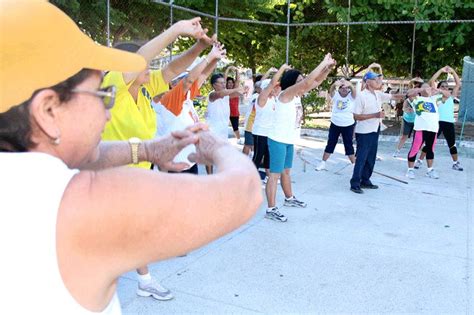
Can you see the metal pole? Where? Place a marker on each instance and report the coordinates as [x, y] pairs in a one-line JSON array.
[[108, 23], [413, 41], [288, 33], [171, 23], [347, 35], [216, 18]]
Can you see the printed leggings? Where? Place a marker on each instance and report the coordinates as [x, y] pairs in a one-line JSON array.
[[422, 136]]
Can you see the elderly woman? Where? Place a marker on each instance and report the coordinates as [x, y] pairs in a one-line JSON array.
[[287, 118], [65, 204]]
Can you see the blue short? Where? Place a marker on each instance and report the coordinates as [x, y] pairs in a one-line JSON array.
[[282, 156], [248, 138]]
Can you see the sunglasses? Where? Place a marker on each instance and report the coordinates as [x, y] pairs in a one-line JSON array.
[[107, 94]]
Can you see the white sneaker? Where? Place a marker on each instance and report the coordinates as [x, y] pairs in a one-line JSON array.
[[155, 290], [410, 173], [457, 166], [432, 174], [418, 164], [321, 166], [378, 158], [396, 153]]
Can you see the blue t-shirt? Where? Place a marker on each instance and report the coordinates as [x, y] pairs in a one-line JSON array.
[[446, 109]]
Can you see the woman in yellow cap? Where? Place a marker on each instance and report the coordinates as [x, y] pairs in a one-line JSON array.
[[66, 207]]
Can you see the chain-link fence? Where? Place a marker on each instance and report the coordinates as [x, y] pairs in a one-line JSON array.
[[408, 38]]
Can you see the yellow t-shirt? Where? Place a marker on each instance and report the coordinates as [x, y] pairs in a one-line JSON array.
[[130, 119]]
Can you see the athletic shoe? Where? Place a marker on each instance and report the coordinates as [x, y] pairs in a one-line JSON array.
[[410, 174], [321, 166], [155, 290], [357, 190], [432, 174], [275, 215], [293, 202], [240, 141], [265, 180], [396, 153], [378, 158], [457, 166], [418, 164], [369, 186]]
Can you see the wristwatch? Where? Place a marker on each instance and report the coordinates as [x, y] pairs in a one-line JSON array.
[[134, 145]]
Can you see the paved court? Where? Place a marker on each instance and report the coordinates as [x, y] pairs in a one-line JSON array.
[[404, 248]]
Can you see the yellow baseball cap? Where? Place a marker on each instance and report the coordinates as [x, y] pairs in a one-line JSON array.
[[41, 46]]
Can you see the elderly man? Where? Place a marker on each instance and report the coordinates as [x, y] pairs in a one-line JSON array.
[[368, 114]]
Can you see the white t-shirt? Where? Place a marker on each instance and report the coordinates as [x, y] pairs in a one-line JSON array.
[[287, 121], [427, 116], [342, 110], [264, 118], [32, 187], [369, 103], [217, 117], [167, 122]]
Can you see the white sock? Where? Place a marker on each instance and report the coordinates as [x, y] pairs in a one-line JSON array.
[[292, 197], [144, 279], [411, 168], [429, 169], [270, 209]]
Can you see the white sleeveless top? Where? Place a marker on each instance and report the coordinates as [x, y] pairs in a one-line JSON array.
[[31, 187], [217, 117], [287, 121], [264, 118]]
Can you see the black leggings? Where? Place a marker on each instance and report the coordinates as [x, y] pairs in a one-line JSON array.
[[234, 121], [447, 129], [347, 134], [260, 152]]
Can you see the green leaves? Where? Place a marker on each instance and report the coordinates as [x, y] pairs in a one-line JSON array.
[[262, 46]]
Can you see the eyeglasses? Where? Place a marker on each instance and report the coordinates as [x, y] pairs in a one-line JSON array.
[[107, 94]]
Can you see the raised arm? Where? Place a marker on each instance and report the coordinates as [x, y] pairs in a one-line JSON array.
[[219, 53], [334, 87], [236, 80], [374, 66], [151, 49], [319, 73], [457, 80], [195, 74], [265, 93], [268, 73], [434, 78], [179, 65]]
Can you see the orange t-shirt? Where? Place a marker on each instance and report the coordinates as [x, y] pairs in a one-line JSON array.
[[173, 100]]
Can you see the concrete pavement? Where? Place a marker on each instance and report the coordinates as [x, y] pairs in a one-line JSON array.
[[404, 248]]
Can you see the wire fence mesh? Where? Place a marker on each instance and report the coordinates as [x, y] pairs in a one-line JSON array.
[[409, 38]]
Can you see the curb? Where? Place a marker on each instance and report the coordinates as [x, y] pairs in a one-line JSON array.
[[316, 133]]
